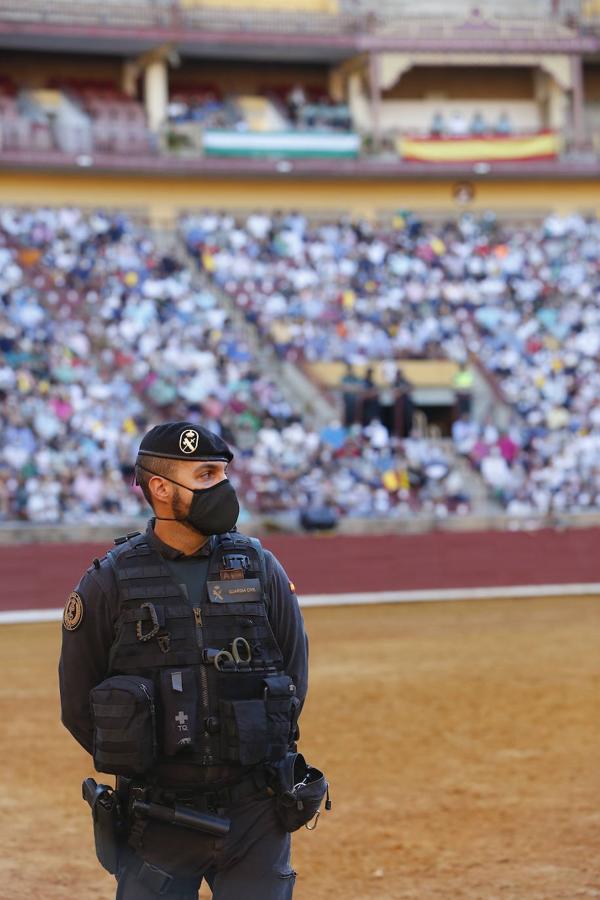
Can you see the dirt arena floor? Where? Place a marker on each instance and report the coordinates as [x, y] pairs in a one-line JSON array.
[[462, 741]]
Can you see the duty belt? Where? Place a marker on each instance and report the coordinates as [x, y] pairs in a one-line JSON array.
[[210, 797]]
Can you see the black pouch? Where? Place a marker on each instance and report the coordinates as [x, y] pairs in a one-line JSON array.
[[254, 731], [124, 725], [281, 706], [243, 733], [179, 702], [299, 790]]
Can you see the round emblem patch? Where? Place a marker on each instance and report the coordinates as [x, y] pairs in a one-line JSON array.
[[188, 441], [73, 613]]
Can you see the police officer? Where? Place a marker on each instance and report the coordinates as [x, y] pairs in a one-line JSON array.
[[207, 622]]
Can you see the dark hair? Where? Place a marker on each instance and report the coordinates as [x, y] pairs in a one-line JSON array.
[[158, 465]]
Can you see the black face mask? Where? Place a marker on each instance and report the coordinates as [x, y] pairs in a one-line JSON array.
[[213, 510]]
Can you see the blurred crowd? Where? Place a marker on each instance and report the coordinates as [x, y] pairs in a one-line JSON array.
[[521, 299], [457, 125], [102, 335], [360, 471]]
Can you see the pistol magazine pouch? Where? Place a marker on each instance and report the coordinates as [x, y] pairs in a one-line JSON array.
[[123, 714], [299, 790]]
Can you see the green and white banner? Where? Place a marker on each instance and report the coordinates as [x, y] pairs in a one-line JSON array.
[[294, 144]]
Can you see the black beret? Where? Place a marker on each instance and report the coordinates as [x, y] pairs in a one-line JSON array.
[[184, 440]]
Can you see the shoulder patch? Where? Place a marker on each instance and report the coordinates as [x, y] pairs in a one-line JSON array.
[[292, 587], [73, 614]]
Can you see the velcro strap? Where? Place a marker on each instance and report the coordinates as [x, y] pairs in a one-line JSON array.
[[152, 571], [240, 608], [109, 758], [279, 686], [150, 591], [122, 736], [112, 709], [162, 612], [145, 614]]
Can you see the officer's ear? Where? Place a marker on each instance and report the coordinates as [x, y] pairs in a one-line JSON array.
[[160, 489]]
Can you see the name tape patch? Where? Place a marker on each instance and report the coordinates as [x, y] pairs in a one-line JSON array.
[[242, 591]]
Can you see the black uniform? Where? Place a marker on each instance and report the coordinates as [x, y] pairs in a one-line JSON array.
[[253, 861]]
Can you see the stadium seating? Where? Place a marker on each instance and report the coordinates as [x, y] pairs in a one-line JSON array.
[[94, 314], [519, 299], [101, 336]]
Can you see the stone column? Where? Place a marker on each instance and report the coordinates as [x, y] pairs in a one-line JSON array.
[[156, 92], [375, 92], [578, 117]]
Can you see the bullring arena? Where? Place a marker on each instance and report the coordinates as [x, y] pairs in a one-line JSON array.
[[460, 738]]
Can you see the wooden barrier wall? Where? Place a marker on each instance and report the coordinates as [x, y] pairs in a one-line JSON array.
[[40, 576]]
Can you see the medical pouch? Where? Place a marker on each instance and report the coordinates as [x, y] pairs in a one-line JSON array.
[[179, 702], [123, 714], [299, 791]]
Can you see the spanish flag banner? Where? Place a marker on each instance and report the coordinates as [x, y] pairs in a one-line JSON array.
[[545, 145]]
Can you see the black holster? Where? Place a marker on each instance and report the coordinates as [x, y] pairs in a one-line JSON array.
[[109, 825]]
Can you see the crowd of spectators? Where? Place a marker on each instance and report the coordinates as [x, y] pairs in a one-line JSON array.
[[102, 335], [361, 471], [521, 298], [458, 125], [205, 107]]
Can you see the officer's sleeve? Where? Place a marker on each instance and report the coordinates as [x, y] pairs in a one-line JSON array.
[[287, 624], [87, 635]]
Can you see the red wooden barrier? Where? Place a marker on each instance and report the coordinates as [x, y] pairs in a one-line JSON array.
[[37, 576]]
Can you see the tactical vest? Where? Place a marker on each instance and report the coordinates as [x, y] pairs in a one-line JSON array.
[[222, 695]]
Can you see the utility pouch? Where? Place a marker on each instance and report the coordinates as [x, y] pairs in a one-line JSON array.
[[253, 731], [281, 708], [108, 823], [179, 702], [243, 732], [123, 714], [299, 790]]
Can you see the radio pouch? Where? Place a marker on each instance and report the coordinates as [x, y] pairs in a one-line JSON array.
[[123, 714]]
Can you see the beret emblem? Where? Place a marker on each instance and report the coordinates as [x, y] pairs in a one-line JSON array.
[[188, 441]]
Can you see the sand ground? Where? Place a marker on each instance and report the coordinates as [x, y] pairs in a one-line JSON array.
[[462, 742]]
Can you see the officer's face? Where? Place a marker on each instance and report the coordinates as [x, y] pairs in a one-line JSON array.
[[197, 476]]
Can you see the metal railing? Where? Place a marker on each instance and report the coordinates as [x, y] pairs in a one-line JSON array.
[[430, 18], [171, 14]]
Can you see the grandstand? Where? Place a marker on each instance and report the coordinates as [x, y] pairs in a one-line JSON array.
[[380, 348]]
